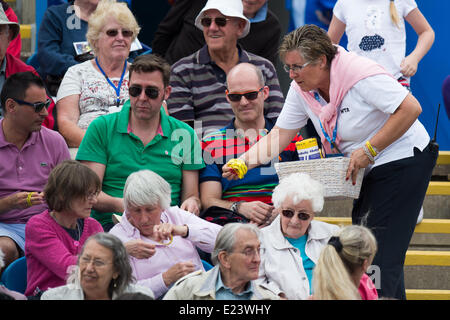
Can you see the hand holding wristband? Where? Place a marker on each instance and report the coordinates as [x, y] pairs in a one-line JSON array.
[[238, 166]]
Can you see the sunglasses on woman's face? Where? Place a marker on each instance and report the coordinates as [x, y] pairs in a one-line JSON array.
[[220, 21], [114, 32], [38, 106], [250, 95], [150, 92], [290, 213]]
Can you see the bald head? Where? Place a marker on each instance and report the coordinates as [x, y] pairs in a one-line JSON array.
[[247, 69]]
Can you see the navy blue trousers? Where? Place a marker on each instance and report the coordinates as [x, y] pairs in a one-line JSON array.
[[389, 204]]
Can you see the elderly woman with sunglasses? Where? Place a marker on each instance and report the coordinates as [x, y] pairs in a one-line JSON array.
[[294, 240], [162, 241], [103, 272], [99, 86]]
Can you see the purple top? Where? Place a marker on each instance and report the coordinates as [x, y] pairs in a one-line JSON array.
[[148, 272], [50, 250], [28, 169]]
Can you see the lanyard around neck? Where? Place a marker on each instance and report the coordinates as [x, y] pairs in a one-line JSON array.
[[117, 89], [332, 141]]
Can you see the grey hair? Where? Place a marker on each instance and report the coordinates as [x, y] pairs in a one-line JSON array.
[[237, 68], [121, 262], [299, 186], [226, 238], [146, 187]]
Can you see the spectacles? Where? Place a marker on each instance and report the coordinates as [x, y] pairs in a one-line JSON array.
[[220, 21], [92, 195], [250, 95], [114, 32], [38, 106], [85, 260], [150, 92], [250, 253], [290, 213], [295, 67]]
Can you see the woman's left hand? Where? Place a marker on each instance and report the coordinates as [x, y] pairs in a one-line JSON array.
[[164, 231], [358, 160], [192, 204]]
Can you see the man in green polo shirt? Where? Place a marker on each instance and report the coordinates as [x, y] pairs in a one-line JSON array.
[[142, 136]]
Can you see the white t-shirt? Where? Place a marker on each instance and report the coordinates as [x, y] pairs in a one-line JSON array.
[[364, 110], [97, 96], [371, 32]]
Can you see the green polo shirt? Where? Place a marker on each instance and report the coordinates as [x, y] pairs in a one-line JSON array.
[[108, 141]]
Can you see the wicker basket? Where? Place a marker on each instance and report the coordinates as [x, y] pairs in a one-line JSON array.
[[330, 172]]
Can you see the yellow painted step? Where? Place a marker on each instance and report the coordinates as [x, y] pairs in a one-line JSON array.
[[25, 31], [426, 226], [444, 157], [427, 258], [422, 294], [439, 188]]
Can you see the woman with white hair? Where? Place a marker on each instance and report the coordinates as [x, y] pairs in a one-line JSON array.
[[161, 240], [294, 240]]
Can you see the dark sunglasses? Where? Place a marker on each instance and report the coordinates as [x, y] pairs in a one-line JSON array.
[[250, 95], [114, 32], [301, 215], [38, 106], [220, 21], [150, 92]]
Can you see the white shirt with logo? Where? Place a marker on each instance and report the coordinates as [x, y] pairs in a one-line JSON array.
[[364, 110]]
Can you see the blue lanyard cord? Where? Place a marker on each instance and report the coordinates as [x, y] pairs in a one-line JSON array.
[[331, 141], [117, 89]]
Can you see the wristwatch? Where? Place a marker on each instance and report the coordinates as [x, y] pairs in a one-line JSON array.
[[235, 206]]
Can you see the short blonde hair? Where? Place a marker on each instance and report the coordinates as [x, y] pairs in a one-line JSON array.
[[106, 10]]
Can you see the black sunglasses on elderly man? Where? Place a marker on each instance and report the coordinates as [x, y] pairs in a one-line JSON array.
[[249, 95], [150, 92], [220, 21], [38, 106], [290, 213]]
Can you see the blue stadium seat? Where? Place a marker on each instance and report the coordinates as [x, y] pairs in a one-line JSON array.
[[14, 277], [206, 265]]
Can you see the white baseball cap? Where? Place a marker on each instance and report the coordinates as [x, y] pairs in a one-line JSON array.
[[229, 8]]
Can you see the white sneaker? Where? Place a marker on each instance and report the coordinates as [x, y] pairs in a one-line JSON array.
[[420, 217]]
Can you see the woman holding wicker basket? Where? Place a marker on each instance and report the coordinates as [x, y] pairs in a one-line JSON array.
[[361, 112]]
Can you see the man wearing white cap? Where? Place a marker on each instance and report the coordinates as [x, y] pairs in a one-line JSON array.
[[198, 80], [177, 36]]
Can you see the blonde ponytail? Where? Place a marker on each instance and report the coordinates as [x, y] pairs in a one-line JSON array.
[[394, 14], [332, 278]]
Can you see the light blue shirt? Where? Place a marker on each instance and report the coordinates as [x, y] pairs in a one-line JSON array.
[[308, 264], [260, 15], [225, 293]]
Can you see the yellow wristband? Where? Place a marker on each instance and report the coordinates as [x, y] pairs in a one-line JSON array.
[[167, 243], [30, 194], [372, 150], [238, 166]]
